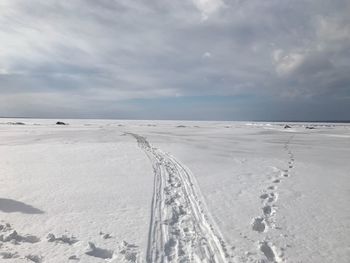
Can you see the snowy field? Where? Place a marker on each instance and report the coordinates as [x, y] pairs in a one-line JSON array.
[[161, 191]]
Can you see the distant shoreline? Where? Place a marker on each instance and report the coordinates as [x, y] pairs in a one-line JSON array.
[[277, 121]]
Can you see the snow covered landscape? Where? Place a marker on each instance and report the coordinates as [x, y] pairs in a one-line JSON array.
[[194, 131], [174, 191]]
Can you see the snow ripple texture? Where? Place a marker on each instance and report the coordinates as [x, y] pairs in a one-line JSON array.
[[180, 228]]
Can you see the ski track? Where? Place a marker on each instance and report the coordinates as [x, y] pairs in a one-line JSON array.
[[267, 220], [180, 227]]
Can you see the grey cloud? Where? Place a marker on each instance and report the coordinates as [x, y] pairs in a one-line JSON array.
[[107, 52]]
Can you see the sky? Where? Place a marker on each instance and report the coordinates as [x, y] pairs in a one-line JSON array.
[[166, 59]]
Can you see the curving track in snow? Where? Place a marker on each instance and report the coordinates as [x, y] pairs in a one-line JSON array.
[[180, 228]]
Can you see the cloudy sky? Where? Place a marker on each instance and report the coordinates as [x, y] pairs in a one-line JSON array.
[[166, 59]]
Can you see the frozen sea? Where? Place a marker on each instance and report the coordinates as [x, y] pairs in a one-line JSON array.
[[174, 191]]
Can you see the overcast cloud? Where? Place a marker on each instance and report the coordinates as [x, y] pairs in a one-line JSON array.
[[165, 59]]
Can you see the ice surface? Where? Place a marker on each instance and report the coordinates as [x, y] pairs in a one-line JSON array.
[[173, 191]]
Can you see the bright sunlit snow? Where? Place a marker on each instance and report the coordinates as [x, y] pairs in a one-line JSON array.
[[172, 191]]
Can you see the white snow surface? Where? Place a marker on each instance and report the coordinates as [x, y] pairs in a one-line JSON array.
[[173, 191]]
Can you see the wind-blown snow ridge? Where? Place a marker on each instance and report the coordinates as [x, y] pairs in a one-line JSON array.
[[180, 228]]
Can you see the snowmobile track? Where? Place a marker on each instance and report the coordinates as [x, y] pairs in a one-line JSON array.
[[181, 229]]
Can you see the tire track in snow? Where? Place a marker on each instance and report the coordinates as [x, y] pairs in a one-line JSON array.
[[180, 227]]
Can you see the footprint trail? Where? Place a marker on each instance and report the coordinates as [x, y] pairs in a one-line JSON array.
[[267, 219]]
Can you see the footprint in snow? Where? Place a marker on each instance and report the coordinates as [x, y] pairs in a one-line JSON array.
[[267, 210], [269, 252], [259, 224], [264, 196], [272, 197]]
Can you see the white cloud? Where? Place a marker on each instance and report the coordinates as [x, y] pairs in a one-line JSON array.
[[208, 7], [207, 55], [287, 63]]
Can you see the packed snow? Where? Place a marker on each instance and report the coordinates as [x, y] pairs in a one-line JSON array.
[[173, 191]]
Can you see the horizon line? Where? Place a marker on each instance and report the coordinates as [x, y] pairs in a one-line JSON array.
[[88, 118]]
